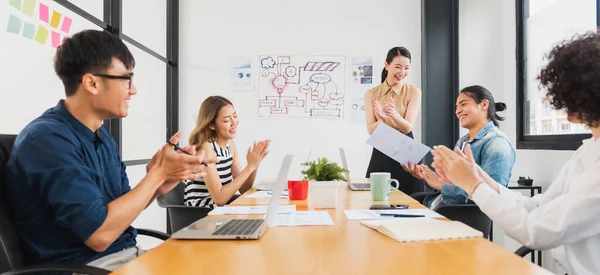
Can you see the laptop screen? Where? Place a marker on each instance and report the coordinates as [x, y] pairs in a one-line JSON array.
[[343, 156], [278, 189]]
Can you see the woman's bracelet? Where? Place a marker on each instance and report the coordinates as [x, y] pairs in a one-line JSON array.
[[475, 188]]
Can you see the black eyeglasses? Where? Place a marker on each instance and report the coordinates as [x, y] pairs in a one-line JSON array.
[[126, 77]]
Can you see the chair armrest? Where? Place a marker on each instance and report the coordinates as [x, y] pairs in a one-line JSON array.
[[70, 268], [420, 196], [153, 233], [523, 251]]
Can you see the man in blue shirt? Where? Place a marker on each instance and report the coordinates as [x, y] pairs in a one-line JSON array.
[[476, 111], [67, 188]]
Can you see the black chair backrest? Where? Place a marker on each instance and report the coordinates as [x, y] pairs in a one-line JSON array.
[[10, 254], [174, 197], [469, 214], [6, 145]]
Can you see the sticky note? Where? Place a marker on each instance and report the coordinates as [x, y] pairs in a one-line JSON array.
[[28, 30], [55, 19], [14, 24], [41, 35], [16, 4], [55, 39], [44, 12], [28, 6], [66, 24]]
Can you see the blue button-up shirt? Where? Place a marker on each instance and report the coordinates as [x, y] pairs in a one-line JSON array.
[[60, 178], [493, 152]]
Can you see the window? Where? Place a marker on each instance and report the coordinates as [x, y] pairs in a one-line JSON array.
[[156, 25], [540, 25]]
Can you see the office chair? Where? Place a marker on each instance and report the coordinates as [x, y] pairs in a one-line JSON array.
[[180, 215], [469, 214], [523, 251], [11, 256], [420, 196]]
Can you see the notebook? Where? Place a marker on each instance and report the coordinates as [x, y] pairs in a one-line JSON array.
[[422, 229]]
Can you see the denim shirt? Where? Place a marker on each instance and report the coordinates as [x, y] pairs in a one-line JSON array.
[[493, 152]]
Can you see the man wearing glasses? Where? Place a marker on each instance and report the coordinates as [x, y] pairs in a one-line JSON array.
[[67, 189]]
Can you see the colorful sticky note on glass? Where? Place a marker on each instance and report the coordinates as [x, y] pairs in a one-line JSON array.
[[44, 12], [55, 19], [66, 24], [16, 4], [55, 39], [14, 24], [41, 35], [28, 6], [28, 30]]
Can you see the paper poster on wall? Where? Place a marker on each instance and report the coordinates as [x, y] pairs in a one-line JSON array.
[[357, 112], [34, 20], [361, 76], [302, 86], [240, 74], [362, 70]]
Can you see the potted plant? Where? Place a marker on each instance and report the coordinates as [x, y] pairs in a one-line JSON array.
[[323, 170], [324, 177]]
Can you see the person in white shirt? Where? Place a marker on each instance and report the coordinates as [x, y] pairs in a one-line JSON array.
[[566, 218]]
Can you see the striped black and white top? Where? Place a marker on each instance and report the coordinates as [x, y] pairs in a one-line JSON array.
[[196, 193]]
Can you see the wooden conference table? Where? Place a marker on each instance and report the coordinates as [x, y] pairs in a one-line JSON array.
[[346, 248]]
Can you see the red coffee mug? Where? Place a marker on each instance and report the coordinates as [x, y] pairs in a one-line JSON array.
[[298, 189]]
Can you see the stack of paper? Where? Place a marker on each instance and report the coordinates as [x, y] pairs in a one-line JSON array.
[[302, 218], [267, 194], [422, 229], [249, 210]]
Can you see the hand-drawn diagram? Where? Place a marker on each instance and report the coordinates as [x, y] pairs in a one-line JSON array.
[[302, 86]]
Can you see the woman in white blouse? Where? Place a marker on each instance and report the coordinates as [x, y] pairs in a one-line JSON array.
[[566, 218]]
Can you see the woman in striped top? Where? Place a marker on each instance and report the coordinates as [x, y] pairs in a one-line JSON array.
[[215, 130]]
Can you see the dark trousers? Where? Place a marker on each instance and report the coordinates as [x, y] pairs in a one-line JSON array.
[[380, 162]]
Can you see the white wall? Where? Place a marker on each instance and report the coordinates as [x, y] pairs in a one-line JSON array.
[[487, 40], [212, 32]]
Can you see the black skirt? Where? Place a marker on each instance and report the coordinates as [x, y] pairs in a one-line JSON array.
[[380, 162]]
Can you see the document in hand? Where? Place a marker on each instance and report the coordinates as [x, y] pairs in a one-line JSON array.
[[397, 145], [422, 229]]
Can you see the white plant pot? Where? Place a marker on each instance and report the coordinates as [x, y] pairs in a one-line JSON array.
[[324, 194]]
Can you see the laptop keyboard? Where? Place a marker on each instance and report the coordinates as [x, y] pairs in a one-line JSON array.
[[238, 227], [362, 185]]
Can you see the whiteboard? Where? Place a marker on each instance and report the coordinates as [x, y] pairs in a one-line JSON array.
[[302, 86]]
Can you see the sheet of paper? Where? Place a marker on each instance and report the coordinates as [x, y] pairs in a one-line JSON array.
[[301, 218], [249, 210], [375, 214], [240, 74], [396, 145], [267, 194]]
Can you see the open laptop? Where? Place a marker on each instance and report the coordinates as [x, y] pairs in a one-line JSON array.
[[268, 185], [232, 229], [356, 185]]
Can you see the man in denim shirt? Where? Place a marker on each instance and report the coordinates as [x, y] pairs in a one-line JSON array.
[[476, 110]]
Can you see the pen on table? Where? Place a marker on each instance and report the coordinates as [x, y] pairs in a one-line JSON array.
[[184, 151], [402, 215]]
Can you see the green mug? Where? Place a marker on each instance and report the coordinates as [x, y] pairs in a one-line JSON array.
[[381, 184]]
